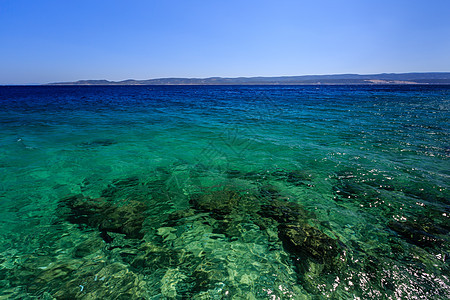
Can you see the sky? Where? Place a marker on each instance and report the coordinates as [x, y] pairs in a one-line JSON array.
[[52, 40]]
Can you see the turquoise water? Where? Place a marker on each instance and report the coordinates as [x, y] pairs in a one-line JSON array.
[[233, 192]]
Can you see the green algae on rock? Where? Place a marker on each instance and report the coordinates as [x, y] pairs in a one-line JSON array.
[[106, 216], [306, 241], [219, 202], [423, 234]]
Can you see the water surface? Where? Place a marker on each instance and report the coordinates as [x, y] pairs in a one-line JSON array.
[[224, 192]]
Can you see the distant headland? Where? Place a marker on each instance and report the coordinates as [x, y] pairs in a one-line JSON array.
[[338, 79]]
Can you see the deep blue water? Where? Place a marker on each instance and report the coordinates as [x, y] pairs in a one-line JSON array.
[[225, 192]]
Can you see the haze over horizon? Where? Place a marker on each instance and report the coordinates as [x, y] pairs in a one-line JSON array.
[[53, 41]]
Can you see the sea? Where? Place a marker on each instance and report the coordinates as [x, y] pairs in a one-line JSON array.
[[225, 192]]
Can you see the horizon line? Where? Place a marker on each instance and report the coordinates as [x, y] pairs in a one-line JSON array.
[[222, 77]]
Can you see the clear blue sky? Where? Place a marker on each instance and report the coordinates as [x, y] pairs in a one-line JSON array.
[[46, 41]]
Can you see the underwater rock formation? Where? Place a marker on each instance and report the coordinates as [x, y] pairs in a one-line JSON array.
[[284, 212], [106, 216], [298, 237], [229, 208], [423, 234], [219, 202], [99, 143], [304, 240], [227, 215], [295, 177]]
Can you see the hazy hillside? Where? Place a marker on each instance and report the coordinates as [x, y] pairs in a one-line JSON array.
[[405, 78]]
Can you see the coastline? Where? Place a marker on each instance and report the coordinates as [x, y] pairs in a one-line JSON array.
[[338, 79]]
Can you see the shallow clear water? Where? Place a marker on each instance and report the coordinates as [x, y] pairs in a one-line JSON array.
[[233, 192]]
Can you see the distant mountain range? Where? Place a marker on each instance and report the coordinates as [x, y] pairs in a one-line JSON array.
[[393, 78]]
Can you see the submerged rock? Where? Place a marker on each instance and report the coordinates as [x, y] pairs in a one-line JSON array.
[[179, 214], [295, 177], [351, 190], [417, 233], [304, 240], [244, 217], [300, 239], [284, 212], [106, 216], [219, 202], [126, 219], [99, 142], [229, 209], [270, 192], [79, 209]]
